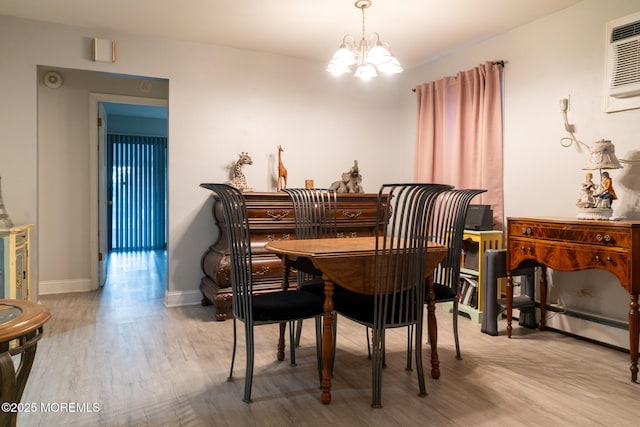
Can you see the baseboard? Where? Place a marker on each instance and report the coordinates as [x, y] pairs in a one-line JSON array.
[[50, 287], [591, 330], [180, 298]]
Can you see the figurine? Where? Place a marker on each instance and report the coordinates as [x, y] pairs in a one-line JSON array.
[[282, 171], [350, 182], [607, 194], [586, 199], [239, 181]]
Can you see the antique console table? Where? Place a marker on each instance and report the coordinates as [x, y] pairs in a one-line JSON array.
[[271, 218], [572, 245]]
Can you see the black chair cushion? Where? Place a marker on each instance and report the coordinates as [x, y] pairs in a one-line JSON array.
[[359, 307], [443, 293], [286, 305]]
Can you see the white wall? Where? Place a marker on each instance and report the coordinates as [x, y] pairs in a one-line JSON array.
[[221, 101], [558, 56]]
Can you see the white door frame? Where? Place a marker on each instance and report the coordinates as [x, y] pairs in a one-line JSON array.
[[94, 196]]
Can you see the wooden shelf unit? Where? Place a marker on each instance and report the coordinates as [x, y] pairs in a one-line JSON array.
[[491, 239]]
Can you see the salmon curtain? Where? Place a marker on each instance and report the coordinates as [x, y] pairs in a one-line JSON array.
[[459, 135]]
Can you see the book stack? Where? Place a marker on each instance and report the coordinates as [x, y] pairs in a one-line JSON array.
[[468, 290]]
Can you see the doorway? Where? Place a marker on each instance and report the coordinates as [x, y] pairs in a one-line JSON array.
[[131, 177], [136, 178]]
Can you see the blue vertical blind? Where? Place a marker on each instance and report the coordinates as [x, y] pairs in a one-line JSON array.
[[137, 192]]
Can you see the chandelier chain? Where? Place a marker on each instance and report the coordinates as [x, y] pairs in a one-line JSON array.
[[362, 8]]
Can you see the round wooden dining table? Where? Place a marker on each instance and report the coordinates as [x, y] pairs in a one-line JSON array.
[[349, 263]]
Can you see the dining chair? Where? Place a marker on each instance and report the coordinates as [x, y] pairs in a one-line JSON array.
[[447, 228], [315, 216], [397, 293], [259, 309]]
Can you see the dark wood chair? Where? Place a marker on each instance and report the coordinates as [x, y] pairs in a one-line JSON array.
[[261, 309]]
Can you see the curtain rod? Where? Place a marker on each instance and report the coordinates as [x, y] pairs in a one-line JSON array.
[[499, 63]]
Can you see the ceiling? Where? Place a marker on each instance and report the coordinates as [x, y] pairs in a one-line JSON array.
[[417, 30]]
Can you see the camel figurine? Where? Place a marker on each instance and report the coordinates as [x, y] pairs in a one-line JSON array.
[[239, 181], [282, 171]]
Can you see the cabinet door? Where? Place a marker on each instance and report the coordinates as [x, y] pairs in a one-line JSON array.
[[4, 267], [21, 271]]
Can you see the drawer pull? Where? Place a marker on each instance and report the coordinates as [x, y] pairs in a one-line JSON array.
[[526, 231], [262, 271], [597, 258], [272, 237], [354, 215], [600, 237], [277, 217], [609, 259]]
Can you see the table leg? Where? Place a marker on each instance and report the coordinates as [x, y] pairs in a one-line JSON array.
[[281, 346], [286, 268], [543, 298], [432, 326], [12, 381], [327, 340], [509, 308], [634, 330]]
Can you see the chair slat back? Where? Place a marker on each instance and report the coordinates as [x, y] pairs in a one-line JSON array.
[[315, 212], [447, 228], [401, 252], [236, 220]]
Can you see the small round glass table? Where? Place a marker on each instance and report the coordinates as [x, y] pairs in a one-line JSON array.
[[21, 326]]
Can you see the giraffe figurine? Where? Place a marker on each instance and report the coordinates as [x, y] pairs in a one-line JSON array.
[[282, 171], [239, 181]]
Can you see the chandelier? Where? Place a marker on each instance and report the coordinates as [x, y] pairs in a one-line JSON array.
[[369, 56]]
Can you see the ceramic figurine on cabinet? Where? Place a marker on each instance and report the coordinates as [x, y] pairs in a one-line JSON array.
[[606, 194], [282, 171], [586, 199], [351, 181], [239, 181], [595, 203]]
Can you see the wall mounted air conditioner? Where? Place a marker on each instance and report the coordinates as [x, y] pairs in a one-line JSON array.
[[622, 75]]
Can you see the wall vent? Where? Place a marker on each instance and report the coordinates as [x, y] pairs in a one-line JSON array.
[[622, 76]]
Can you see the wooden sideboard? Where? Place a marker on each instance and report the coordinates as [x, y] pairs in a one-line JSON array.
[[271, 218], [573, 245]]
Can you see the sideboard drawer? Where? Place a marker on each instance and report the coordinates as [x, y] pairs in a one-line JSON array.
[[569, 257], [588, 234]]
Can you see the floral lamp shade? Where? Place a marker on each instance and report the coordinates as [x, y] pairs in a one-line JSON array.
[[602, 155]]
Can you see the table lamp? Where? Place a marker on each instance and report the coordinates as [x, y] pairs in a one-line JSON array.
[[595, 201]]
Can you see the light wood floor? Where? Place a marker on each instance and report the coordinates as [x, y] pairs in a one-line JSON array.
[[146, 365]]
